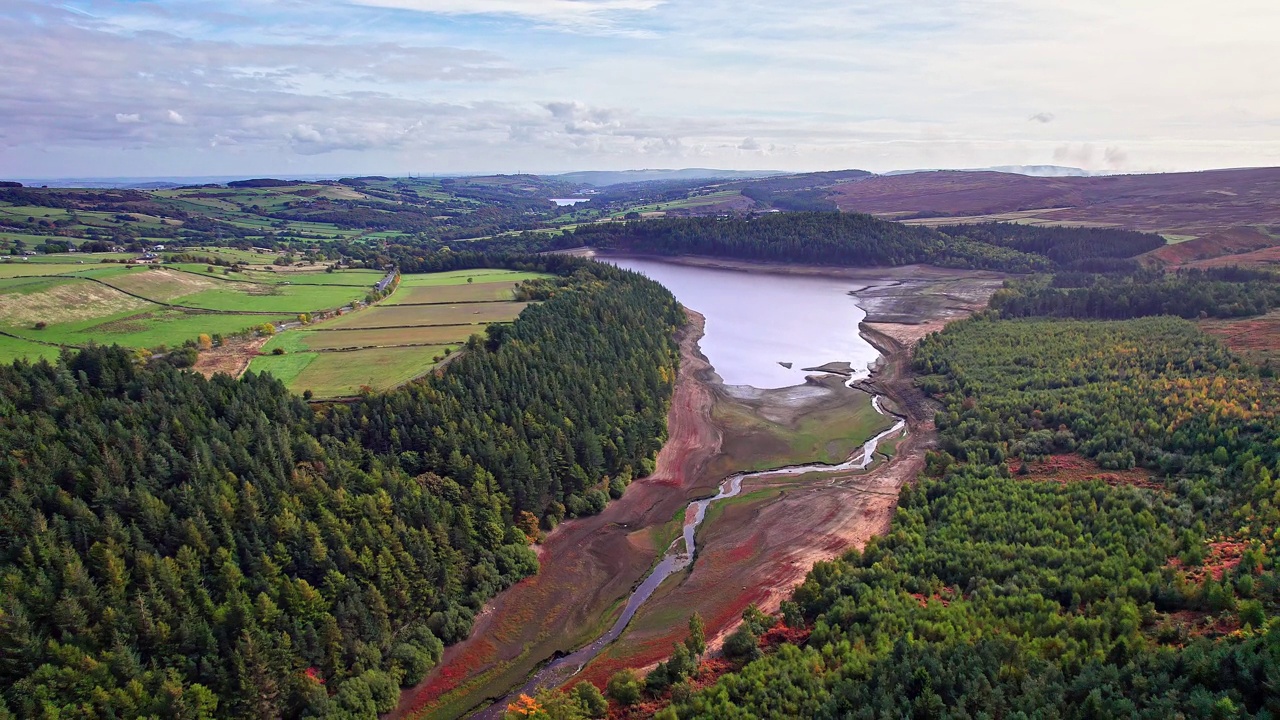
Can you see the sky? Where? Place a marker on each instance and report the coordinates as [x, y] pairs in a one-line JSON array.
[[136, 88]]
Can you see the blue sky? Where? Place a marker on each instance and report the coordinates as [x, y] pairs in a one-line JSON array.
[[186, 87]]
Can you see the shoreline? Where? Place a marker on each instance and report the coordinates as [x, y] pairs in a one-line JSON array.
[[591, 566]]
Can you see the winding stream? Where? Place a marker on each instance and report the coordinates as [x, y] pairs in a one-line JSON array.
[[678, 557]]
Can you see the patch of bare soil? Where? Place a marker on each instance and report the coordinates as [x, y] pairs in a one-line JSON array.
[[232, 357], [907, 335]]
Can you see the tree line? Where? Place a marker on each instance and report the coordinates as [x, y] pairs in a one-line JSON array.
[[844, 239], [187, 548]]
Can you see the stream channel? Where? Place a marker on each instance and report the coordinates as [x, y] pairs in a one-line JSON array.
[[746, 318]]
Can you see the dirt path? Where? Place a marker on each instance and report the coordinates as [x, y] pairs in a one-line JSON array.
[[587, 565]]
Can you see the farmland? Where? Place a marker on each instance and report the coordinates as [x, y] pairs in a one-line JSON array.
[[426, 319], [48, 305]]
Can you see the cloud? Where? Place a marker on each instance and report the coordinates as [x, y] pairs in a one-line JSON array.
[[128, 118], [749, 144], [175, 117], [1115, 158], [1042, 117], [571, 13]]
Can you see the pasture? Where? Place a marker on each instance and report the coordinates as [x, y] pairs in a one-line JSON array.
[[393, 316], [402, 338], [342, 374], [478, 292]]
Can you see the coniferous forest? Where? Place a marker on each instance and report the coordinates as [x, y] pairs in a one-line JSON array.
[[177, 547], [1149, 592], [852, 239]]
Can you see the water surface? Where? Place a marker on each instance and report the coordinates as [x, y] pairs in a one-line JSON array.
[[757, 320]]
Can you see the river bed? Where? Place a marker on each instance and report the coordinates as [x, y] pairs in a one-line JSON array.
[[753, 322]]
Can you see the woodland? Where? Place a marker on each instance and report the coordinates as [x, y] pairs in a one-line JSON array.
[[177, 547]]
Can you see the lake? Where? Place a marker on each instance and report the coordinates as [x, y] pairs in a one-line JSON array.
[[757, 320]]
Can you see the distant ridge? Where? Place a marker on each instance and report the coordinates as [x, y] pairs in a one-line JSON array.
[[601, 178], [1029, 170]]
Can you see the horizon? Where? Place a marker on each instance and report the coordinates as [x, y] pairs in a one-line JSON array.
[[318, 177], [175, 88]]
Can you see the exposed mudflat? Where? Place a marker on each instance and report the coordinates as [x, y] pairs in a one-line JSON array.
[[753, 548], [586, 565]]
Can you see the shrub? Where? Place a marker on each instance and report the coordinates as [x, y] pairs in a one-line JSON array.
[[624, 687], [742, 644]]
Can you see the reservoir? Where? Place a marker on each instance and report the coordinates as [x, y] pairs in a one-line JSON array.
[[756, 320]]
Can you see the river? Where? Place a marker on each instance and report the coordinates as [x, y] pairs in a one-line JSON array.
[[753, 321]]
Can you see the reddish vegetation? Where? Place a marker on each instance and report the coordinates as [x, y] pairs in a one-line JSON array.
[[1222, 557], [709, 671], [1236, 246], [1265, 257], [590, 563], [1257, 337], [231, 357], [1193, 203], [945, 596], [1073, 468], [1202, 624]]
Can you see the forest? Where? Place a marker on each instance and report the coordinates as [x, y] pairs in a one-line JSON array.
[[176, 547], [1002, 593], [1220, 293], [851, 239]]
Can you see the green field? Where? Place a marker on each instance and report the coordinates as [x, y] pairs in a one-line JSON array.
[[110, 303], [302, 340], [459, 277], [469, 293], [389, 344], [14, 349], [259, 274], [391, 316], [341, 374]]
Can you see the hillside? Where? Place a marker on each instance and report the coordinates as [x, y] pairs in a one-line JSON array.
[[1183, 205]]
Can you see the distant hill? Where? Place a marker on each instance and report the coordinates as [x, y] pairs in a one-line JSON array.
[[1032, 170], [603, 178]]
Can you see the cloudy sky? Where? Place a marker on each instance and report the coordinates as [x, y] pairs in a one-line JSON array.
[[192, 87]]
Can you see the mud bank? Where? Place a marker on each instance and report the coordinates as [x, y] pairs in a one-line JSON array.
[[587, 566]]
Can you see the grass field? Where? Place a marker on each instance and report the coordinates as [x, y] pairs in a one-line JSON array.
[[353, 278], [479, 292], [459, 277], [147, 328], [340, 339], [339, 374], [389, 344], [201, 291], [14, 349], [393, 316], [119, 304]]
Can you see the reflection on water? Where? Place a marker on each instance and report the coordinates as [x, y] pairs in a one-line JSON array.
[[757, 320]]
